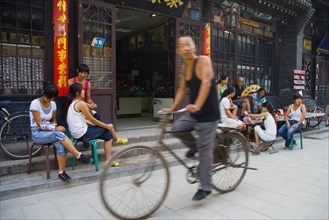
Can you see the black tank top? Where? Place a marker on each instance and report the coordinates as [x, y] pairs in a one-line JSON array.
[[210, 109]]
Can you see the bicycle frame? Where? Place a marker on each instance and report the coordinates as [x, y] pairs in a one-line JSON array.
[[162, 146]]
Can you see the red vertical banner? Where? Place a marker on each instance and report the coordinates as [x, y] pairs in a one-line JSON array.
[[60, 21], [206, 44]]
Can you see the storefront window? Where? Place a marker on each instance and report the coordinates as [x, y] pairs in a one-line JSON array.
[[246, 58], [97, 24], [22, 47], [264, 63], [223, 52]]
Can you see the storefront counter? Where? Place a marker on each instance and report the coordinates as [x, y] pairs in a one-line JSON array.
[[132, 106]]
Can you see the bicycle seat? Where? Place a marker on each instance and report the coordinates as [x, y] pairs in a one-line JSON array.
[[4, 104]]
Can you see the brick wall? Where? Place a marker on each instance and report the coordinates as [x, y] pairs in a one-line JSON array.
[[290, 55]]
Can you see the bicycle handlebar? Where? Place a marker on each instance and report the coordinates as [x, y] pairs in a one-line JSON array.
[[172, 112]]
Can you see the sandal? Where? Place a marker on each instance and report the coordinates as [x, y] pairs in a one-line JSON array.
[[121, 141], [115, 164]]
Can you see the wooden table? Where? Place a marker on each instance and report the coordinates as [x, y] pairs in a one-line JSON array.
[[309, 116]]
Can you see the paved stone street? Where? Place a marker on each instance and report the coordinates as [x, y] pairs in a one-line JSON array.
[[287, 185]]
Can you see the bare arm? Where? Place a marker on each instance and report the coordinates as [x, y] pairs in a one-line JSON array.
[[37, 118], [205, 74], [230, 115], [70, 82], [90, 102], [82, 106], [180, 94], [54, 118], [286, 116], [260, 115]]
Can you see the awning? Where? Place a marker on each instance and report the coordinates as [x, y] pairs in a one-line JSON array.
[[324, 45]]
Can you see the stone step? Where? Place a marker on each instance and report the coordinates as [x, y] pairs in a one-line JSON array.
[[10, 167], [22, 184]]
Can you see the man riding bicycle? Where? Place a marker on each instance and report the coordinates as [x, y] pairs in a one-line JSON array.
[[202, 112]]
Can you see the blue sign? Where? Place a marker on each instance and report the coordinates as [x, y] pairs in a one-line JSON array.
[[98, 42]]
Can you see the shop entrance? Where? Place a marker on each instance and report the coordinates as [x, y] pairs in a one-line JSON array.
[[145, 66]]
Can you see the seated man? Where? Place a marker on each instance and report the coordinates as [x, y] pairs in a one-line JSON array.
[[241, 102]]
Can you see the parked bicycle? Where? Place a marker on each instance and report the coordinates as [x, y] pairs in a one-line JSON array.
[[15, 133], [145, 173]]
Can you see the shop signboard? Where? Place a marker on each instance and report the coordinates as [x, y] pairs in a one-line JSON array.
[[206, 40], [169, 7], [299, 79], [98, 42], [60, 21]]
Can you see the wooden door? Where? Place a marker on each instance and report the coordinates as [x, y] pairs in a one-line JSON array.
[[97, 20]]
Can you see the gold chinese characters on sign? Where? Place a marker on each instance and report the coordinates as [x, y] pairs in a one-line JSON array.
[[60, 20]]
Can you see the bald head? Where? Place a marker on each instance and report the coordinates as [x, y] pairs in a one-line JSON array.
[[186, 47]]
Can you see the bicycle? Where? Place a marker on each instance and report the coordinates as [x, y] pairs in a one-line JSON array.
[[146, 174], [15, 133]]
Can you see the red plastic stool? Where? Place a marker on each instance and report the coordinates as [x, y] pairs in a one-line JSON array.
[[46, 148]]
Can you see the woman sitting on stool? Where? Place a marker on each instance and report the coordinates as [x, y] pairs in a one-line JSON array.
[[297, 113], [269, 134]]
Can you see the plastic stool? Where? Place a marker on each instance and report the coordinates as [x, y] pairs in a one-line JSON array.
[[93, 144], [46, 148], [301, 141]]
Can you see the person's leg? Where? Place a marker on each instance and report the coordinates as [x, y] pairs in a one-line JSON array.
[[247, 102], [61, 159], [254, 109], [291, 131], [256, 131], [244, 108], [283, 131], [96, 132], [182, 130], [206, 132], [108, 141]]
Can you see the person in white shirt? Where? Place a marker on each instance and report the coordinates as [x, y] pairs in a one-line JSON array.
[[83, 126], [45, 130], [269, 134], [225, 105], [294, 118]]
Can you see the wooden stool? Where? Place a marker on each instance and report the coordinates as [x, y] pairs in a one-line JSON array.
[[301, 141], [46, 148], [93, 144]]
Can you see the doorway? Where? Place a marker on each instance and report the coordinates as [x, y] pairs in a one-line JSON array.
[[145, 72]]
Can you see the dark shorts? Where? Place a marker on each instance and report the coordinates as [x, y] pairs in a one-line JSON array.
[[238, 102], [95, 132]]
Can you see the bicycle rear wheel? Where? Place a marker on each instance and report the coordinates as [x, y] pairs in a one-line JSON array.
[[142, 186], [15, 136], [315, 121], [231, 164]]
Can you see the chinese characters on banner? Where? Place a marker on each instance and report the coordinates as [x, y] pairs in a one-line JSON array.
[[299, 79], [60, 21], [206, 40]]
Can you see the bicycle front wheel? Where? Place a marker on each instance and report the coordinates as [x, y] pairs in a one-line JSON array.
[[136, 188], [230, 161], [15, 136]]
